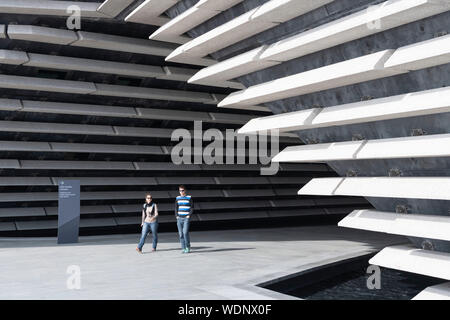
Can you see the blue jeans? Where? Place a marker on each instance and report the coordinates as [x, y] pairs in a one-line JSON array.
[[183, 232], [145, 230]]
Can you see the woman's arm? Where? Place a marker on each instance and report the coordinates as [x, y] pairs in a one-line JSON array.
[[156, 210], [143, 216]]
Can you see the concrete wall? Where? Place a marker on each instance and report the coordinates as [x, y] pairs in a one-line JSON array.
[[415, 81]]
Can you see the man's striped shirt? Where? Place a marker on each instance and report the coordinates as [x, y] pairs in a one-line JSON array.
[[183, 206]]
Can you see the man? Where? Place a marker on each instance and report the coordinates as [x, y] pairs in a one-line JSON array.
[[184, 208]]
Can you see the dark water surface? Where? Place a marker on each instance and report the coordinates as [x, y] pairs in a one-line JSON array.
[[348, 281]]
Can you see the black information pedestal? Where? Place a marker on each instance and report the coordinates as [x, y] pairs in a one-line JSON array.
[[68, 211]]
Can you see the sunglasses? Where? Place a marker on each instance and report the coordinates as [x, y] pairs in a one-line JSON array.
[[182, 190]]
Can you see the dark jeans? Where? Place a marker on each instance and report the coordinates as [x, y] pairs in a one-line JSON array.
[[145, 230], [183, 232]]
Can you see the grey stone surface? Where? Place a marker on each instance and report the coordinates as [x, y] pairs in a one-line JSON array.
[[222, 264]]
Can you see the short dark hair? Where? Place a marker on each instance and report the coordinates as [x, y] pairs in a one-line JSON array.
[[181, 187]]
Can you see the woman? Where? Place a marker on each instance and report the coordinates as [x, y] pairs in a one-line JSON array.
[[149, 222]]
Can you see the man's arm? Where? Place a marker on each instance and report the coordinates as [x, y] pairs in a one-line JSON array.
[[191, 209]]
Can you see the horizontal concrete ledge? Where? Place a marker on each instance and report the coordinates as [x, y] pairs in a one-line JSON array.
[[124, 44], [80, 87], [396, 148], [389, 14], [2, 31], [15, 57], [152, 93], [113, 8], [362, 69], [251, 108], [406, 105], [266, 16], [410, 259], [150, 11], [102, 181], [431, 188], [192, 17], [87, 129], [136, 209], [121, 112], [50, 85], [80, 147], [144, 166], [89, 40], [41, 34], [411, 225], [117, 221], [438, 292], [52, 8], [219, 194]]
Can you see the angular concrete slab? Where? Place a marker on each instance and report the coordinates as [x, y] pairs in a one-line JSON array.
[[411, 225], [22, 212], [150, 11], [124, 44], [381, 17], [41, 34], [165, 114], [74, 165], [10, 104], [90, 65], [51, 8], [438, 292], [411, 259], [24, 146], [143, 132], [421, 55], [152, 93], [49, 85], [104, 148], [43, 127], [9, 164], [192, 17], [113, 181], [75, 108], [113, 8], [53, 211], [259, 19], [409, 147], [432, 188], [337, 75], [13, 57], [7, 226], [25, 181]]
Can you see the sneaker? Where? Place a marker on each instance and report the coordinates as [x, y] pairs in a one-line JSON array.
[[183, 251], [188, 250], [138, 250], [153, 250]]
